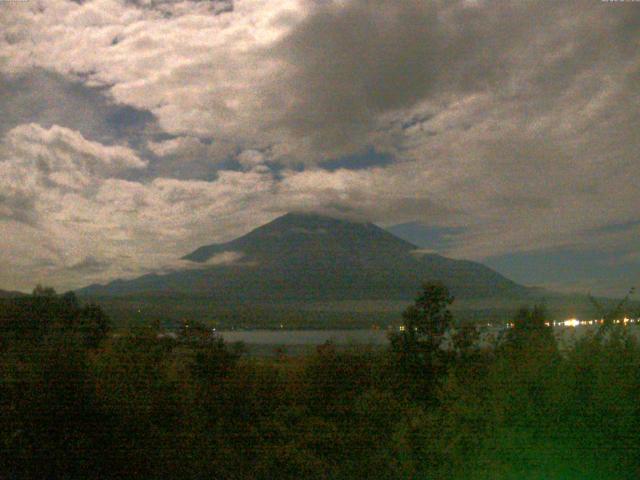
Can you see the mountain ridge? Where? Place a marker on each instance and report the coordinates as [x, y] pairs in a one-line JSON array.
[[308, 257], [11, 294]]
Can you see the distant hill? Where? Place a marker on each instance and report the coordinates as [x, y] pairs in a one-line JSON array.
[[433, 238], [11, 294], [307, 257]]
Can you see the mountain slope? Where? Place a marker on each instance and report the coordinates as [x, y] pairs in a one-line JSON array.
[[307, 257], [11, 294]]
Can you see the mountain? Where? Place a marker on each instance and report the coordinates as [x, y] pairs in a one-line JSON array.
[[7, 294], [308, 257], [425, 236]]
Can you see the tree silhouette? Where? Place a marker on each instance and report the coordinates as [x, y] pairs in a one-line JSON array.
[[608, 316], [94, 325], [417, 346], [429, 318], [530, 328]]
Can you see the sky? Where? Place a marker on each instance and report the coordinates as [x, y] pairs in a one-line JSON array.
[[134, 131]]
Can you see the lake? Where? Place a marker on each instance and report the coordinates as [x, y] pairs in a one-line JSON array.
[[266, 342], [306, 337]]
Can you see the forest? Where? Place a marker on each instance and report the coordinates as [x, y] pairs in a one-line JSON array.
[[79, 401]]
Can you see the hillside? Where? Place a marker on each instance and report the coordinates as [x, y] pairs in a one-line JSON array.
[[10, 294], [308, 257]]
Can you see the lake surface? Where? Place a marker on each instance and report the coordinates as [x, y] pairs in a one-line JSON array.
[[306, 337], [264, 341]]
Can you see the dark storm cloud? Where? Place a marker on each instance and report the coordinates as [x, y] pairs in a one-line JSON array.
[[355, 60], [47, 98], [18, 207], [89, 264], [216, 6]]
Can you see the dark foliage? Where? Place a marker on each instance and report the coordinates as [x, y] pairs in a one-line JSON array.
[[441, 403], [417, 347]]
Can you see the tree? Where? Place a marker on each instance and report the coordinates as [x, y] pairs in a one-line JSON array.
[[46, 292], [48, 416], [608, 316], [429, 318], [194, 330], [531, 328], [421, 361], [94, 325], [214, 360]]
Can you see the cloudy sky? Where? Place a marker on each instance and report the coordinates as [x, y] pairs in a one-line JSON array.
[[133, 131]]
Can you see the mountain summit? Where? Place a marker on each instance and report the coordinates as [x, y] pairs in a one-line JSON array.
[[310, 257], [310, 238]]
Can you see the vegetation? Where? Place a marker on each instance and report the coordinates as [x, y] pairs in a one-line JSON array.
[[79, 402]]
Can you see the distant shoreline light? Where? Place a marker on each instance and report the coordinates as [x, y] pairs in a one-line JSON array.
[[571, 322], [574, 322]]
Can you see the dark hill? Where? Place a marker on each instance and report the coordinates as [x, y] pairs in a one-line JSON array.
[[308, 257], [7, 294]]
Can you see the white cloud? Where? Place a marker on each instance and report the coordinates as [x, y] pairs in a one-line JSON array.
[[251, 158], [78, 208], [59, 148], [176, 146], [224, 258], [200, 74], [219, 259], [37, 163]]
